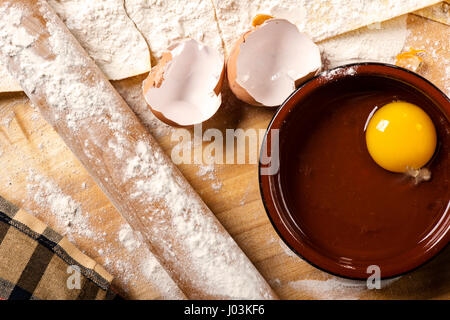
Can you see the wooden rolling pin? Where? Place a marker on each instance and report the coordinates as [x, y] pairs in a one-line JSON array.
[[75, 97]]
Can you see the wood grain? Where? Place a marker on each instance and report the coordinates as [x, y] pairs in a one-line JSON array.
[[90, 142], [237, 204]]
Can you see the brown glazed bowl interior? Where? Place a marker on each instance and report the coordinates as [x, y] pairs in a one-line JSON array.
[[276, 194]]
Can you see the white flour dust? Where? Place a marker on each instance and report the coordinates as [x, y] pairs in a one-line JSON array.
[[148, 264], [69, 215], [186, 235], [127, 237], [335, 288], [208, 172], [338, 71], [377, 43], [109, 36], [287, 250], [220, 266]]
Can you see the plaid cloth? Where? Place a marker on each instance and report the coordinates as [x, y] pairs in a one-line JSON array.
[[38, 263]]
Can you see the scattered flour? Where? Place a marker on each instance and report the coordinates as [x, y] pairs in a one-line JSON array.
[[148, 264], [21, 40], [8, 83], [164, 23], [72, 223], [276, 283], [287, 250], [85, 101], [68, 213], [113, 31], [207, 171], [35, 116], [152, 270], [216, 186], [438, 12], [6, 121], [336, 17], [379, 43], [220, 267], [181, 229], [213, 262], [335, 288], [243, 200], [204, 170], [338, 71], [332, 288], [128, 238], [106, 32], [132, 94]]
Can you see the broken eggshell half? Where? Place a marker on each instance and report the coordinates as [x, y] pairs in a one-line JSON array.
[[183, 89], [268, 62]]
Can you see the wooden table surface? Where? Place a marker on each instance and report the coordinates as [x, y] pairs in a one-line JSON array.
[[29, 146]]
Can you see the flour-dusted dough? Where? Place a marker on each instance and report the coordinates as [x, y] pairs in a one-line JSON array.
[[112, 40], [319, 19], [106, 32], [164, 23], [8, 83], [364, 44], [108, 35], [123, 158], [438, 12]]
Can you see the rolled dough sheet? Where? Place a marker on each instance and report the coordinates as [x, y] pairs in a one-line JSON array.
[[110, 37], [320, 19], [106, 32], [439, 12], [163, 23], [8, 83], [375, 43]]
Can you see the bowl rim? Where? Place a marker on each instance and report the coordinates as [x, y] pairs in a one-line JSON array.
[[263, 180]]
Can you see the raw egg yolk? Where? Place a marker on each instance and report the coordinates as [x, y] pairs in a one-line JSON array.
[[401, 136]]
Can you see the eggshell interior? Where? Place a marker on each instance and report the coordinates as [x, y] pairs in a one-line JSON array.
[[273, 58], [185, 90]]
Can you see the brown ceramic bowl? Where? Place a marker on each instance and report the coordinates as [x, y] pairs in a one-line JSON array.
[[329, 201]]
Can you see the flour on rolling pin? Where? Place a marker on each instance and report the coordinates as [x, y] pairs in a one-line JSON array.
[[140, 180]]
